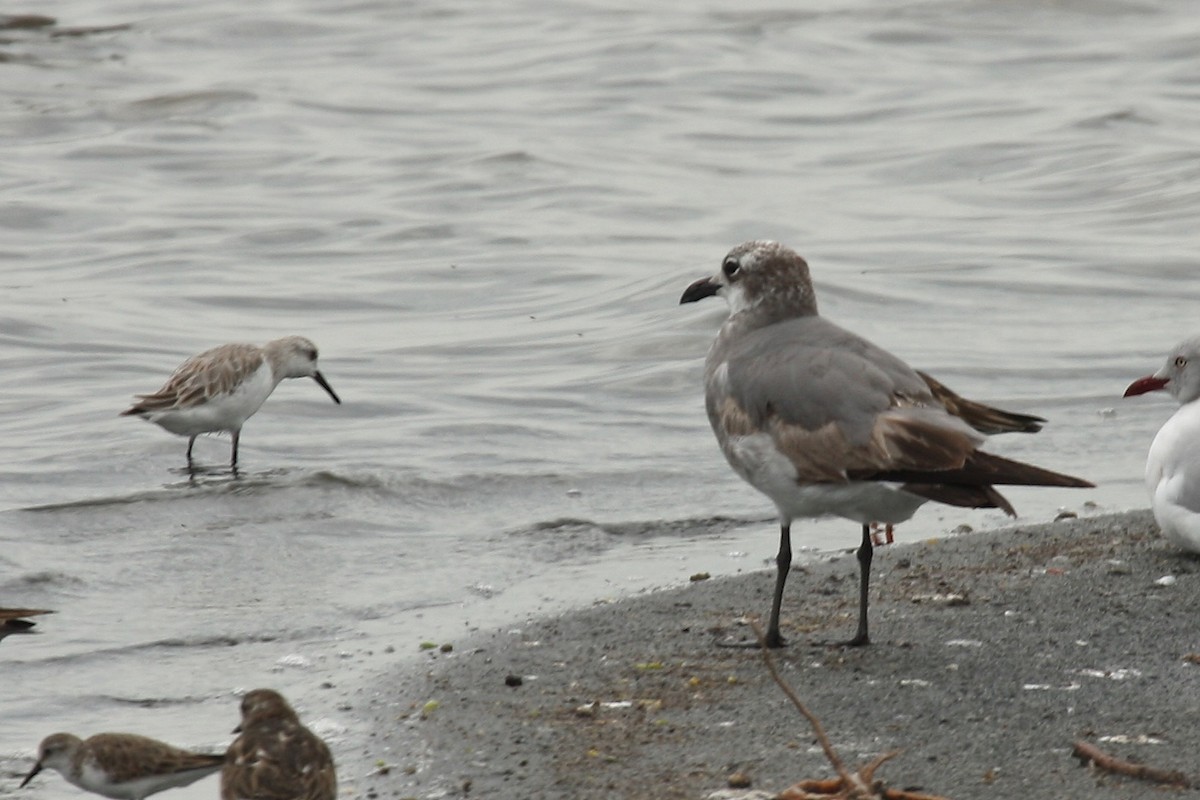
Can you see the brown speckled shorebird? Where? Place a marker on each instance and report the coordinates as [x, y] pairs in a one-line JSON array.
[[218, 390], [276, 757], [124, 766]]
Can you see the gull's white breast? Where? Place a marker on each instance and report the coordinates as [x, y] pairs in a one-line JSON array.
[[1173, 477]]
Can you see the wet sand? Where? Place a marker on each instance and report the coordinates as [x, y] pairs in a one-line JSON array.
[[991, 654]]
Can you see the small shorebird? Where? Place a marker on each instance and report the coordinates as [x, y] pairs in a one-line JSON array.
[[1173, 463], [276, 757], [12, 620], [124, 766], [825, 423], [221, 388]]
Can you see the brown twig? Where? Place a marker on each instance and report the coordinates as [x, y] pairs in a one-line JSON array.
[[848, 785], [818, 729], [1086, 752]]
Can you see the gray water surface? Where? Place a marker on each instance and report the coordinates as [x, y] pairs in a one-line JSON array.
[[484, 214]]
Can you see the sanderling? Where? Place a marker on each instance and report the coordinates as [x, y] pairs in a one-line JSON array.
[[276, 756], [825, 423], [1172, 467], [122, 765], [221, 388]]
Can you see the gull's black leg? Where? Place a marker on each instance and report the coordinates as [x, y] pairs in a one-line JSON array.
[[783, 563], [866, 551]]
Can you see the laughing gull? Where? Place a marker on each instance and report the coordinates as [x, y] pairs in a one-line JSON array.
[[825, 423], [1173, 464]]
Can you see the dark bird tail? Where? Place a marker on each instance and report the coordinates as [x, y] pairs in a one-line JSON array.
[[973, 484], [984, 419], [979, 469]]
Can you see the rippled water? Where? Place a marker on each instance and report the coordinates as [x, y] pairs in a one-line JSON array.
[[484, 214]]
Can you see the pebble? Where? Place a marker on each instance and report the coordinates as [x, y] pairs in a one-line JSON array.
[[739, 780]]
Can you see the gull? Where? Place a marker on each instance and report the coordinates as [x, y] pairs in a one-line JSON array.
[[124, 766], [219, 389], [824, 423], [276, 757], [1173, 463]]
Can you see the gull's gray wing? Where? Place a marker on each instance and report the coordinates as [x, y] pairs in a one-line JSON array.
[[831, 402]]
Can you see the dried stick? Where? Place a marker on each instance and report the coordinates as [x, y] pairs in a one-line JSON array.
[[818, 729], [1086, 752], [848, 785], [904, 794]]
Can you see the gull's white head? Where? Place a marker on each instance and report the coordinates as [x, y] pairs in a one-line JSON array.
[[1179, 376]]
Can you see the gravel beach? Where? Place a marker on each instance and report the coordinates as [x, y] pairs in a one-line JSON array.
[[992, 652]]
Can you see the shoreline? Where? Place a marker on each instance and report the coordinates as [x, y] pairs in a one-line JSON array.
[[992, 652]]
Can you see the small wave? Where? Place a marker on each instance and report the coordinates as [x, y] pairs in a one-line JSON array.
[[574, 538], [203, 484], [410, 488], [198, 642], [196, 102], [149, 702], [98, 502], [698, 527], [207, 641], [43, 580]]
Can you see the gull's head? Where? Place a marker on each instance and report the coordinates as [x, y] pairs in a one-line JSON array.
[[760, 275], [1179, 376]]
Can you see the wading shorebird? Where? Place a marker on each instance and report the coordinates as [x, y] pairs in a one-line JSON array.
[[221, 388]]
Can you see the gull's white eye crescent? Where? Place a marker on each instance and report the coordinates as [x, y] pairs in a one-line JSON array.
[[730, 267]]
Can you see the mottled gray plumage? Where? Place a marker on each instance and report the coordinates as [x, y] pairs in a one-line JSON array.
[[809, 372], [824, 422]]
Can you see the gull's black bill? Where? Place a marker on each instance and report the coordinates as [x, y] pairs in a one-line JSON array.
[[705, 287]]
